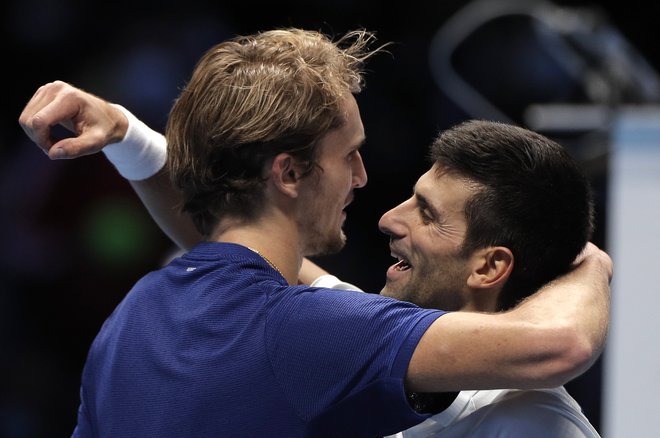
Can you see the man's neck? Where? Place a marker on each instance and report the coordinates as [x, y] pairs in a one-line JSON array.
[[276, 241]]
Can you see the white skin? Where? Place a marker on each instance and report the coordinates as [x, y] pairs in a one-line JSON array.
[[426, 234], [328, 192]]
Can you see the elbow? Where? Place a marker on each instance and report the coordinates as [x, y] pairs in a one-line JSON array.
[[571, 354]]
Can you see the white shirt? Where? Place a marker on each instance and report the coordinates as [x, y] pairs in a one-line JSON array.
[[538, 413]]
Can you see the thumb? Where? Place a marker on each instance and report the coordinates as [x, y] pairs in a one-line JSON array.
[[73, 147]]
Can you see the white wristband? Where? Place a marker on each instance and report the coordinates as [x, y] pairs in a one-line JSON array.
[[142, 152], [331, 282]]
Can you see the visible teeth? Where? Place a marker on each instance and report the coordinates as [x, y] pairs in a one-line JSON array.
[[402, 265]]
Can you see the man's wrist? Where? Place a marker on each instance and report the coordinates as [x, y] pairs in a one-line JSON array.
[[142, 152]]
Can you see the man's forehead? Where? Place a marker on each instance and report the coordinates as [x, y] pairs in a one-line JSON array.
[[433, 177], [350, 133], [439, 188]]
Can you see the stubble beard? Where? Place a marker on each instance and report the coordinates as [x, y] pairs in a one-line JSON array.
[[327, 245], [430, 287], [400, 292]]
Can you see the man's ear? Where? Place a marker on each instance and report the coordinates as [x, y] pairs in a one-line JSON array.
[[491, 267], [285, 174]]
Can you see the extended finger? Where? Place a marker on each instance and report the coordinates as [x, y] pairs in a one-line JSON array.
[[52, 105]]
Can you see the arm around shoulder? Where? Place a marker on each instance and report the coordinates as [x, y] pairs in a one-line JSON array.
[[138, 152], [549, 339], [140, 158]]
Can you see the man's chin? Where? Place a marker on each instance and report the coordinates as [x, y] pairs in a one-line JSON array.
[[329, 247], [389, 291]]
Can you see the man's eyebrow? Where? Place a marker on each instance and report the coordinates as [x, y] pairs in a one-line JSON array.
[[424, 203]]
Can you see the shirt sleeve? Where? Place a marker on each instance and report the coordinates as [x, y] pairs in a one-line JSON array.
[[341, 355]]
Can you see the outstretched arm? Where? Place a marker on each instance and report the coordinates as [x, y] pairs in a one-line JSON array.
[[100, 126], [552, 337]]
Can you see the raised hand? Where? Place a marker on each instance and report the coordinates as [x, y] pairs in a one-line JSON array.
[[94, 122]]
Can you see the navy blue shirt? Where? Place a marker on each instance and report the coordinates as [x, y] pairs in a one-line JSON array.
[[217, 344]]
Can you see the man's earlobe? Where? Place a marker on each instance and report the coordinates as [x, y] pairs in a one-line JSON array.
[[491, 267]]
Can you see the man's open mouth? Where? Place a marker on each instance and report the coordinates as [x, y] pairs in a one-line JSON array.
[[402, 265]]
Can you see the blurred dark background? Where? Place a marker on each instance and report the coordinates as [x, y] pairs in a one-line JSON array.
[[75, 237]]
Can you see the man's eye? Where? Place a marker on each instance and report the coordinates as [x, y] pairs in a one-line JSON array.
[[426, 218]]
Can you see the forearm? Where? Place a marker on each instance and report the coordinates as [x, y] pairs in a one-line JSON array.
[[576, 307], [314, 275], [310, 271], [140, 158], [162, 201], [579, 304]]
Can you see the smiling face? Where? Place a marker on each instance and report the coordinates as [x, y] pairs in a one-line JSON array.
[[329, 191], [426, 235]]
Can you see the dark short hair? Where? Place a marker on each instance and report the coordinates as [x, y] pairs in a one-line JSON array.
[[532, 197]]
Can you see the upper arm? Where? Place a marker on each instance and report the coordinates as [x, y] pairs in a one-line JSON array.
[[465, 350]]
